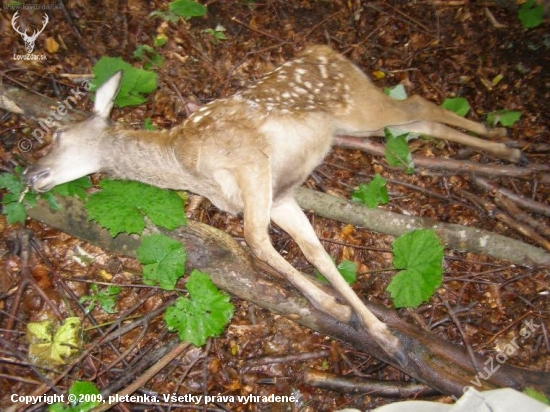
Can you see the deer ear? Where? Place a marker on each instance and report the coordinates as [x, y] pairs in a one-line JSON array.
[[105, 95]]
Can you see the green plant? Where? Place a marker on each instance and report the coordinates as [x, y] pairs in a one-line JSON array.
[[121, 205], [347, 269], [397, 150], [181, 8], [420, 256], [105, 298], [203, 314], [18, 197], [372, 194], [217, 34], [458, 105], [506, 118], [85, 397], [135, 82], [163, 260], [149, 55], [530, 14]]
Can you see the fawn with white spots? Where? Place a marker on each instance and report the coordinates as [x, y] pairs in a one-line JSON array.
[[247, 153]]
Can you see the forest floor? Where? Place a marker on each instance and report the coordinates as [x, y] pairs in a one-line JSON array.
[[436, 49]]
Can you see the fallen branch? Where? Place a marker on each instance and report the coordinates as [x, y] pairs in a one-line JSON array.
[[374, 387], [533, 172], [454, 236], [443, 366]]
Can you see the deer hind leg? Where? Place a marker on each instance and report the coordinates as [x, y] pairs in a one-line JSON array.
[[256, 193], [428, 118], [288, 215], [441, 131]]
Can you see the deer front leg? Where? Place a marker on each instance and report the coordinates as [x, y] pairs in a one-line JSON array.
[[256, 193], [288, 215]]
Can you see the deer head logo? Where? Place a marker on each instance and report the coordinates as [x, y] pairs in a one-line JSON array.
[[29, 40]]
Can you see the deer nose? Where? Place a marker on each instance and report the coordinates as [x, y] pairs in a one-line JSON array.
[[38, 179]]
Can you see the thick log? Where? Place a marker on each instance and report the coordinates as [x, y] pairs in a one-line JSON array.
[[444, 366]]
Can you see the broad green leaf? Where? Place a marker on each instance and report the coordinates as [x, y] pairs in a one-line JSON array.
[[458, 105], [507, 118], [187, 8], [204, 314], [163, 261], [420, 255], [121, 205], [135, 82], [49, 344], [530, 14], [372, 194], [397, 151]]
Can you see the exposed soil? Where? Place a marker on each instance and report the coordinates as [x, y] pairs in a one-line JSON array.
[[437, 49]]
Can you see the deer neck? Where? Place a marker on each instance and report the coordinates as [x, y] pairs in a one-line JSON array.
[[143, 156]]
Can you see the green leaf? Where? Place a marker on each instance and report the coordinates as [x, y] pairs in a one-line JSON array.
[[76, 188], [397, 92], [347, 269], [204, 314], [458, 105], [13, 209], [187, 8], [149, 55], [539, 396], [84, 388], [218, 33], [79, 390], [50, 345], [160, 40], [397, 151], [148, 124], [530, 14], [52, 201], [15, 201], [507, 118], [420, 254], [121, 205], [373, 194], [105, 298], [11, 182], [163, 260], [135, 82]]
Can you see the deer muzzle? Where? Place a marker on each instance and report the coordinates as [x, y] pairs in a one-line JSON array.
[[40, 179]]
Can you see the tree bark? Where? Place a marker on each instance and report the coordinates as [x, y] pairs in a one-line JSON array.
[[454, 236]]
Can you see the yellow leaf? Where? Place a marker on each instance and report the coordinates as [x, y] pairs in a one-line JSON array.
[[52, 46], [378, 74]]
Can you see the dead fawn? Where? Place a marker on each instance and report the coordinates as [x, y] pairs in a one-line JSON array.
[[248, 152]]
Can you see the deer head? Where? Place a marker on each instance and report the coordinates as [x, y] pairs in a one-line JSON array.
[[29, 40]]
